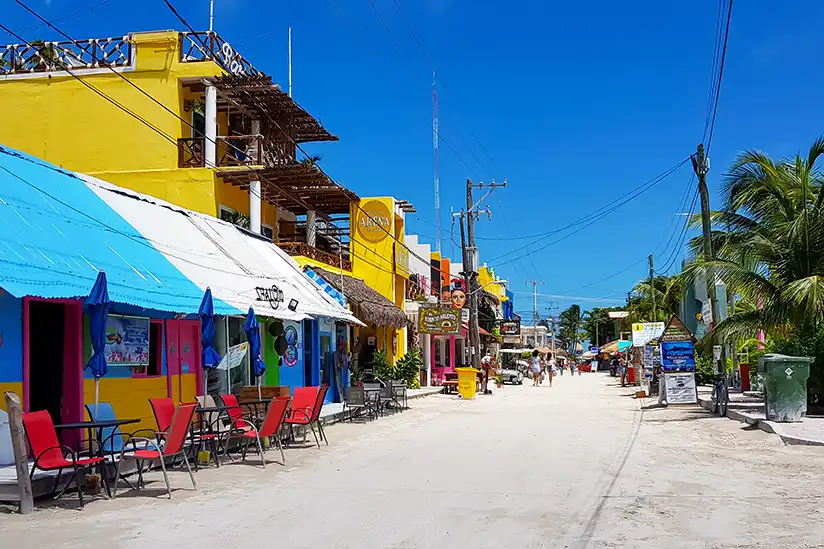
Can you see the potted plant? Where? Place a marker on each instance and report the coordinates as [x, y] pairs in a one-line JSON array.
[[499, 380]]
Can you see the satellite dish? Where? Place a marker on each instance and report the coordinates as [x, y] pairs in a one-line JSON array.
[[281, 345], [276, 329]]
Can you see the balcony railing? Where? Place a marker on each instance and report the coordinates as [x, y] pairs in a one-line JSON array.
[[304, 249], [235, 150], [41, 56], [208, 46]]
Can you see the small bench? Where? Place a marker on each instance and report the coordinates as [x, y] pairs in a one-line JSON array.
[[449, 385]]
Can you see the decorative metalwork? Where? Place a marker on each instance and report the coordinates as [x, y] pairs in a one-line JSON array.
[[208, 46], [38, 56], [235, 150], [304, 249]]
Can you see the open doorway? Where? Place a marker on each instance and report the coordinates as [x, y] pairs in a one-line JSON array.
[[47, 322]]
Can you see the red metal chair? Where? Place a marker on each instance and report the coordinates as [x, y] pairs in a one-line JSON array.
[[239, 421], [49, 453], [270, 428], [164, 411], [306, 407], [171, 446]]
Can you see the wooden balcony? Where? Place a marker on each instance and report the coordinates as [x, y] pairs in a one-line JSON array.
[[232, 151], [304, 249]]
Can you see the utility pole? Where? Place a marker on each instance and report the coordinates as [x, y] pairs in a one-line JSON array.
[[470, 263], [652, 288], [700, 164]]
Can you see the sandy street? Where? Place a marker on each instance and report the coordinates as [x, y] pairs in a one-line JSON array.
[[578, 465]]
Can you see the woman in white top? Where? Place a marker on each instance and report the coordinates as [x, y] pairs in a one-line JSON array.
[[536, 368]]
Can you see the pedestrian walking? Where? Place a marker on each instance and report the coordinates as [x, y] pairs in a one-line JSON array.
[[662, 385], [536, 368], [551, 368], [487, 365], [571, 367]]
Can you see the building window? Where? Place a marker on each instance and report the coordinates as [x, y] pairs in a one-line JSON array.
[[155, 367], [198, 124], [267, 231]]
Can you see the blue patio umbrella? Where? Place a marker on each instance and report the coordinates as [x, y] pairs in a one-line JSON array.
[[211, 358], [98, 304], [252, 329]]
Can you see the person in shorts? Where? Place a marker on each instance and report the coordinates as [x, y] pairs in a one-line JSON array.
[[536, 368]]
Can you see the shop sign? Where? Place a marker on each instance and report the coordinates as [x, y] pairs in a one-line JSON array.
[[272, 295], [127, 341], [680, 388], [401, 259], [510, 327], [676, 331], [437, 320], [678, 356], [644, 332], [374, 221]]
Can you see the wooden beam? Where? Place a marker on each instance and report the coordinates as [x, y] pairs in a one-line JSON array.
[[18, 444]]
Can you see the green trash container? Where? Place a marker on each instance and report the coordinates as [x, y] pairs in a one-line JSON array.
[[785, 386]]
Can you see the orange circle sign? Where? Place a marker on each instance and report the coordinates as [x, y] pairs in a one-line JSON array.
[[374, 221]]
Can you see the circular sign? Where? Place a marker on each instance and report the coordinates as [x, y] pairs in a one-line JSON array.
[[374, 221]]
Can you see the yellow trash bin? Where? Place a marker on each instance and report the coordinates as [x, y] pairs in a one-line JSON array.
[[467, 382]]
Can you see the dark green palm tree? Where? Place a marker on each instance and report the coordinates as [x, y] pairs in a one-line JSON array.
[[668, 292], [769, 242]]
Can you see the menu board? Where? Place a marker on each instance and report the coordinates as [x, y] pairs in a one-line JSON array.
[[436, 320], [678, 356], [681, 388], [127, 340]]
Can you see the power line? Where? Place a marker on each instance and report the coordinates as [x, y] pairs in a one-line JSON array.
[[720, 76], [587, 219]]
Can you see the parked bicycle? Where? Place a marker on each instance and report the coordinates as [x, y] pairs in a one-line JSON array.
[[720, 395]]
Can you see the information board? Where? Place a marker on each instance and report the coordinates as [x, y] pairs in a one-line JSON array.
[[439, 320], [644, 332], [678, 356], [127, 340], [681, 388]]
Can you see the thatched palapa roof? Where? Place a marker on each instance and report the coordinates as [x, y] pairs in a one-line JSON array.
[[374, 307]]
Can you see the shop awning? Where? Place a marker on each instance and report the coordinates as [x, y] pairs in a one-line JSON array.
[[215, 254], [615, 347], [56, 235], [374, 307]]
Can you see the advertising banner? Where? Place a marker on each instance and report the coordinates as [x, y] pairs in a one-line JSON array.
[[510, 327], [678, 356], [681, 388], [127, 340], [436, 320], [644, 332]]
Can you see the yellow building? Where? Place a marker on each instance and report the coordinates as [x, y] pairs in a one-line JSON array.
[[182, 117]]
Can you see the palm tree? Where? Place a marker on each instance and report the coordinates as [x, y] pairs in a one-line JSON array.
[[668, 292], [571, 322], [770, 244]]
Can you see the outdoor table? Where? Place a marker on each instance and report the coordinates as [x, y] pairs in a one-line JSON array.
[[254, 403], [207, 427], [91, 426]]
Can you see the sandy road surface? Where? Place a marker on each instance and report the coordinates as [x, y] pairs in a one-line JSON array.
[[578, 465]]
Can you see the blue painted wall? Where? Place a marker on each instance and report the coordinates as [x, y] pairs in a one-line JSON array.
[[11, 338], [292, 371]]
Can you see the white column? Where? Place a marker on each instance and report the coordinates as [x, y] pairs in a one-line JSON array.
[[427, 357], [254, 206], [254, 188], [311, 231], [210, 114]]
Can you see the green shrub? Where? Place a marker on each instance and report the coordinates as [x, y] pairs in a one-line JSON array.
[[409, 367], [381, 368], [810, 343]]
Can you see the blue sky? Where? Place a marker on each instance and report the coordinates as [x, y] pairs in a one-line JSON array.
[[575, 102]]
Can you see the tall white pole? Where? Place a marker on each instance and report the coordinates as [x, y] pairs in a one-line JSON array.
[[290, 61], [437, 174], [211, 15]]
